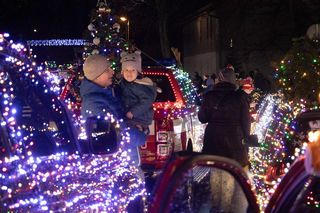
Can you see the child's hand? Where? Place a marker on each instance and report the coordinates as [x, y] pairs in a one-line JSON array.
[[129, 115]]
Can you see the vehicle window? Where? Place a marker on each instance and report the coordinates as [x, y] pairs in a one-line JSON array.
[[40, 115], [204, 189], [163, 83]]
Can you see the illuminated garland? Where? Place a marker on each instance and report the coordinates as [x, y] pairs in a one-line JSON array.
[[61, 181], [298, 74], [57, 42], [187, 87], [276, 129], [183, 105], [298, 77]]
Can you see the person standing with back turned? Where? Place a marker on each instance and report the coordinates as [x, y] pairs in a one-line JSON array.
[[227, 113]]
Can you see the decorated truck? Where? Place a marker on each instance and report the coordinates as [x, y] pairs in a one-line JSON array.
[[175, 126]]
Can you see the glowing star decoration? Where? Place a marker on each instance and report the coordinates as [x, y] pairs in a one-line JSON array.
[[66, 180]]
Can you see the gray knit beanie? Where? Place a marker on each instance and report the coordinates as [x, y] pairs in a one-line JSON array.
[[94, 66], [131, 60]]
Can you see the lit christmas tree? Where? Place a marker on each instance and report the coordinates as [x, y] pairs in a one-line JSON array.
[[105, 38], [276, 131], [298, 78], [298, 75], [104, 35]]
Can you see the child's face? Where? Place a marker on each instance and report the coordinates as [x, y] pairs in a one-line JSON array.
[[130, 74]]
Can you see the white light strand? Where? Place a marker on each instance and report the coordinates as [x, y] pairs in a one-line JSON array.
[[265, 117], [58, 42]]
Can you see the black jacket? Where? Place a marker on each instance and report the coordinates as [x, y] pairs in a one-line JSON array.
[[227, 113]]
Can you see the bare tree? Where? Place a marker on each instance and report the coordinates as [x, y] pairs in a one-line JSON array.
[[163, 10]]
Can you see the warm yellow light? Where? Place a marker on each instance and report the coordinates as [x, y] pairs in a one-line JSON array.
[[122, 18], [314, 136]]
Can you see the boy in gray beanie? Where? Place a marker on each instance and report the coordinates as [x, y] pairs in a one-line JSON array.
[[138, 92]]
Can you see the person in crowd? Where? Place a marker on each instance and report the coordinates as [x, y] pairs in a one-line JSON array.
[[260, 81], [138, 93], [209, 83], [246, 87], [97, 93], [99, 97], [197, 80], [227, 113]]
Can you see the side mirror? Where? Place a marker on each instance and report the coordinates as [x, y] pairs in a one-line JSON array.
[[103, 137]]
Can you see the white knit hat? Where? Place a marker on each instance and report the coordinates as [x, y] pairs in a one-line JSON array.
[[132, 60], [94, 66]]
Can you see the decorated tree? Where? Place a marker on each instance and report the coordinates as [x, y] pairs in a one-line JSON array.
[[281, 141], [298, 75], [104, 35], [105, 38]]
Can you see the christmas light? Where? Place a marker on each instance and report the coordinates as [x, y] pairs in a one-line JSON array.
[[61, 181], [57, 42]]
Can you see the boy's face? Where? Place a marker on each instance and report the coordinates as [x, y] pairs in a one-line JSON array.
[[130, 74]]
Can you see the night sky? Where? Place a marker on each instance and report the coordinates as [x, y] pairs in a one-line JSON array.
[[61, 19], [52, 19], [57, 19]]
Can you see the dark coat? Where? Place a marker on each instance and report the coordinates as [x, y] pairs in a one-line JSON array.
[[227, 113], [97, 100], [138, 97]]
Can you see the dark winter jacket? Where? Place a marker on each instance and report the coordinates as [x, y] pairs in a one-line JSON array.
[[138, 97], [97, 100], [227, 113]]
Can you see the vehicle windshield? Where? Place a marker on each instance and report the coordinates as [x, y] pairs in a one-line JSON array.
[[40, 116], [162, 81]]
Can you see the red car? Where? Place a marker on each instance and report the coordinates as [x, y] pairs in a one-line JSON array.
[[175, 125]]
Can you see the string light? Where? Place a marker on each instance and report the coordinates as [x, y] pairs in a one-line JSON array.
[[59, 181], [57, 42]]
